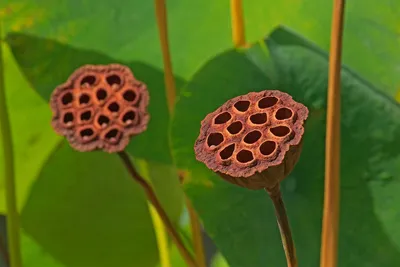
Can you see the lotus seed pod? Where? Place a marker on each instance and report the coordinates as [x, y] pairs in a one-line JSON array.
[[100, 107], [253, 140]]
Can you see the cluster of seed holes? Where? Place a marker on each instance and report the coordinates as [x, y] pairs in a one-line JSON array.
[[103, 120], [84, 99], [259, 118], [280, 131], [85, 116], [129, 95], [244, 156], [252, 137], [113, 107], [242, 105], [86, 133], [91, 112], [235, 127], [283, 114], [267, 148], [67, 98], [267, 102], [90, 79], [112, 135], [227, 152], [101, 94], [129, 117], [68, 117], [222, 118], [215, 139], [113, 79]]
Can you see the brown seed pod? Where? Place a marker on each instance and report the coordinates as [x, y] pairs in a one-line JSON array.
[[253, 140], [100, 107]]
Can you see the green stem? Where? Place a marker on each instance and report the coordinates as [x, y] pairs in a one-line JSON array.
[[161, 235], [12, 212]]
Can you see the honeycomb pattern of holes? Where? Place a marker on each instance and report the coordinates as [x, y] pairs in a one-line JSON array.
[[86, 115], [113, 135], [129, 117], [244, 156], [129, 95], [101, 94], [242, 105], [67, 98], [280, 131], [68, 118], [252, 137], [267, 148], [222, 118], [259, 118], [235, 127], [227, 152], [267, 102], [283, 114], [103, 121], [86, 134], [113, 107], [113, 80], [88, 79], [84, 99], [214, 139]]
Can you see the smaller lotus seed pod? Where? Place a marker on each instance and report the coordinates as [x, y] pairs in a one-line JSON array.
[[253, 140], [100, 107]]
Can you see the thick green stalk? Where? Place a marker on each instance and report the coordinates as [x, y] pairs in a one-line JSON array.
[[13, 227]]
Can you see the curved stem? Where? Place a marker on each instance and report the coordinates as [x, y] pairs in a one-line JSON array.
[[160, 210], [13, 227], [330, 221], [284, 227]]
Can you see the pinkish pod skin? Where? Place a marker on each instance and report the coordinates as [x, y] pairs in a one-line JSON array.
[[100, 107], [253, 140]]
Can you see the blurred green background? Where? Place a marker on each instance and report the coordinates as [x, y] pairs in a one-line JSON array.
[[82, 209]]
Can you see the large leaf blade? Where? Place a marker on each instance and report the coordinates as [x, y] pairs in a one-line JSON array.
[[33, 138], [85, 210], [128, 31], [242, 222]]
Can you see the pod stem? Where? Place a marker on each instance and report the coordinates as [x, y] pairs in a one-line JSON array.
[[284, 227], [151, 196], [238, 32], [331, 210]]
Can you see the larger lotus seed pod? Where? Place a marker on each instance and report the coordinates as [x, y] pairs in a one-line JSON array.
[[100, 107], [253, 140]]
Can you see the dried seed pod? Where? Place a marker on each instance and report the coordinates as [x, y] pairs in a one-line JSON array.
[[100, 107], [253, 140]]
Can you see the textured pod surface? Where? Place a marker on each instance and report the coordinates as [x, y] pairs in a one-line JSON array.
[[100, 107], [253, 140]]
